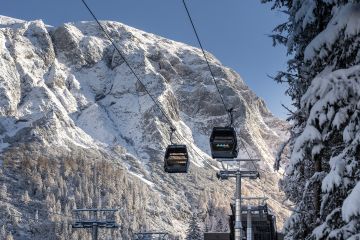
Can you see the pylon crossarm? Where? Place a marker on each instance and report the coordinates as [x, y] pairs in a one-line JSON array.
[[237, 160], [94, 219]]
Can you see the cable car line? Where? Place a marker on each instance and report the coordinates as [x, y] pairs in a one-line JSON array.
[[127, 63], [172, 128], [139, 80], [228, 111], [197, 153], [39, 219], [189, 142], [262, 187], [247, 152], [178, 135], [223, 141]]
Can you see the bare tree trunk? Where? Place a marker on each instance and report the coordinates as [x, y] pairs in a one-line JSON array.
[[317, 189]]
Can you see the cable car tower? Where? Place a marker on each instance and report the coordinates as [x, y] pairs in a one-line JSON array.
[[238, 173]]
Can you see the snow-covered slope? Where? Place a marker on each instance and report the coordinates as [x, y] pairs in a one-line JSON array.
[[71, 109]]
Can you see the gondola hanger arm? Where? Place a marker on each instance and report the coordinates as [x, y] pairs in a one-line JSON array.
[[172, 130], [231, 117]]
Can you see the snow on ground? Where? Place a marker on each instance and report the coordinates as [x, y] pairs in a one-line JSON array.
[[141, 177]]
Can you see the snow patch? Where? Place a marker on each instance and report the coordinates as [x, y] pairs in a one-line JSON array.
[[141, 177], [351, 205], [347, 19]]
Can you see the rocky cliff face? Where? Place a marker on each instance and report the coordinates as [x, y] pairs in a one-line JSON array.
[[77, 130]]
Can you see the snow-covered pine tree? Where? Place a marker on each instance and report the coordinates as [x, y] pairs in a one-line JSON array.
[[323, 176], [3, 192], [2, 232], [193, 232], [220, 225], [9, 237]]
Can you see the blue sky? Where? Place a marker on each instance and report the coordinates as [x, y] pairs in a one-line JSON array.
[[235, 31]]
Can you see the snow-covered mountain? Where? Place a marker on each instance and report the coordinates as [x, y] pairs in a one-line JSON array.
[[78, 130]]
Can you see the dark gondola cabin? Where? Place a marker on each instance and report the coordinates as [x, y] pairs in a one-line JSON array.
[[176, 159], [223, 142]]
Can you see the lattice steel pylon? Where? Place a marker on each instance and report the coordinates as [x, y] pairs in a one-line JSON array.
[[94, 219]]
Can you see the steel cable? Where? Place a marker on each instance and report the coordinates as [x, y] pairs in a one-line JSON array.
[[228, 111]]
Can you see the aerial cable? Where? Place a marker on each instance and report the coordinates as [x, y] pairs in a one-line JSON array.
[[139, 80], [186, 140], [248, 153], [228, 111], [127, 63], [39, 219], [179, 136]]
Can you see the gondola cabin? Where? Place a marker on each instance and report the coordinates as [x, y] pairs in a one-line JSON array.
[[223, 142], [176, 159]]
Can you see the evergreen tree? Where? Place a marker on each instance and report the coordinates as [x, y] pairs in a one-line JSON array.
[[3, 232], [193, 232], [3, 191], [9, 237], [26, 198], [323, 176], [37, 216], [219, 225]]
